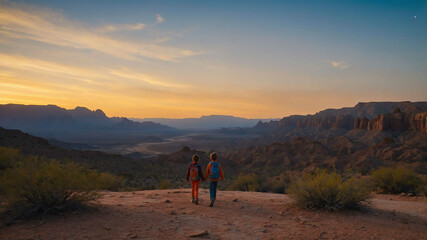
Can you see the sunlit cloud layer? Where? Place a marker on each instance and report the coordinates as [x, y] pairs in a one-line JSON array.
[[51, 27], [159, 65]]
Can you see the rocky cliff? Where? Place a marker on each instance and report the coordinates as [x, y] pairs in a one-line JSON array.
[[395, 121], [327, 122], [373, 109], [368, 116]]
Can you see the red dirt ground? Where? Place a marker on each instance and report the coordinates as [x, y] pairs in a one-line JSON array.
[[147, 215]]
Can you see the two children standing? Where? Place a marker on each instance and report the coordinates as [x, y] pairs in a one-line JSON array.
[[195, 174]]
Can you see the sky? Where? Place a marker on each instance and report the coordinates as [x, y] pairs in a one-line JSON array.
[[177, 59]]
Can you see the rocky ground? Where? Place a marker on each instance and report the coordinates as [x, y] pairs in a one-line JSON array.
[[168, 214]]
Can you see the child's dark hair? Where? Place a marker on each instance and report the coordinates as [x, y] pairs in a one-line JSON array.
[[196, 158], [214, 156]]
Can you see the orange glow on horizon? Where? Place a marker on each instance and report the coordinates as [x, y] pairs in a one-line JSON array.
[[152, 68]]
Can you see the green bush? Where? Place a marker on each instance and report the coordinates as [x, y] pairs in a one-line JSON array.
[[277, 184], [247, 183], [328, 191], [398, 180], [38, 186], [165, 184]]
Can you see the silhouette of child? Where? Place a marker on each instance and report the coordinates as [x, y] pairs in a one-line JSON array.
[[214, 171], [194, 173]]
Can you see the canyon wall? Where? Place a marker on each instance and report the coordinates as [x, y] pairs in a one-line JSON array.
[[395, 121]]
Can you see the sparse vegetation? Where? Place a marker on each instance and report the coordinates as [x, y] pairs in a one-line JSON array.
[[165, 184], [247, 183], [277, 184], [35, 185], [328, 191], [8, 156], [397, 180]]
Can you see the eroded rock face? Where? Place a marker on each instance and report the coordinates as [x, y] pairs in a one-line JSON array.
[[291, 121], [361, 123], [327, 122], [369, 116], [395, 121]]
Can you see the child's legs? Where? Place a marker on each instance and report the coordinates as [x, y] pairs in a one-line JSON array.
[[192, 188], [212, 189], [195, 188]]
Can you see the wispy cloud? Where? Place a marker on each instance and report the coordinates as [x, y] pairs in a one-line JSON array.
[[340, 64], [140, 77], [122, 27], [43, 25], [33, 81], [80, 75], [159, 18]]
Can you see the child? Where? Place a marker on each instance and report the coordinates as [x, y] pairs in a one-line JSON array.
[[214, 171], [195, 174]]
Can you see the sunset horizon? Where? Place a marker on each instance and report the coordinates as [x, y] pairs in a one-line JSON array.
[[252, 60]]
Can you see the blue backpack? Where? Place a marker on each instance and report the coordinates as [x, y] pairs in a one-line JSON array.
[[214, 170]]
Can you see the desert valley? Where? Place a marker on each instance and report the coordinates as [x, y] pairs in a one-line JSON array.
[[352, 141], [225, 119]]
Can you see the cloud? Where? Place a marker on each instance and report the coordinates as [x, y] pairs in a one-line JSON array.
[[340, 65], [140, 77], [43, 25], [79, 75], [159, 18], [120, 91], [122, 27]]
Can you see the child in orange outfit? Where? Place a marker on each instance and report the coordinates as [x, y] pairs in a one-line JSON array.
[[214, 171], [195, 173]]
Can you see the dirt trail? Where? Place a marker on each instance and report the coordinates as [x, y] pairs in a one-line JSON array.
[[147, 215]]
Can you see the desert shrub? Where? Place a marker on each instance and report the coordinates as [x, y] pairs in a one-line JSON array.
[[328, 191], [277, 184], [165, 184], [398, 180], [109, 181], [246, 183], [38, 186], [8, 157]]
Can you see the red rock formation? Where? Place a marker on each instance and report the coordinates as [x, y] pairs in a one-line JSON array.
[[361, 123], [395, 121], [327, 122], [290, 122]]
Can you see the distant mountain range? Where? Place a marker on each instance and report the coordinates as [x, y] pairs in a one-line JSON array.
[[347, 139], [81, 125], [76, 125], [206, 122]]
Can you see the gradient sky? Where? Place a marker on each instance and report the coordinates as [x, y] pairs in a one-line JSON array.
[[255, 59]]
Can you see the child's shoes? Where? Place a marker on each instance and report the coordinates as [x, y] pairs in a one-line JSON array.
[[212, 202]]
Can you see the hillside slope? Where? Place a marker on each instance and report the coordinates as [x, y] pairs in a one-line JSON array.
[[138, 173], [357, 150]]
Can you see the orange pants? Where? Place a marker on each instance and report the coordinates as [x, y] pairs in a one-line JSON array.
[[195, 188]]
